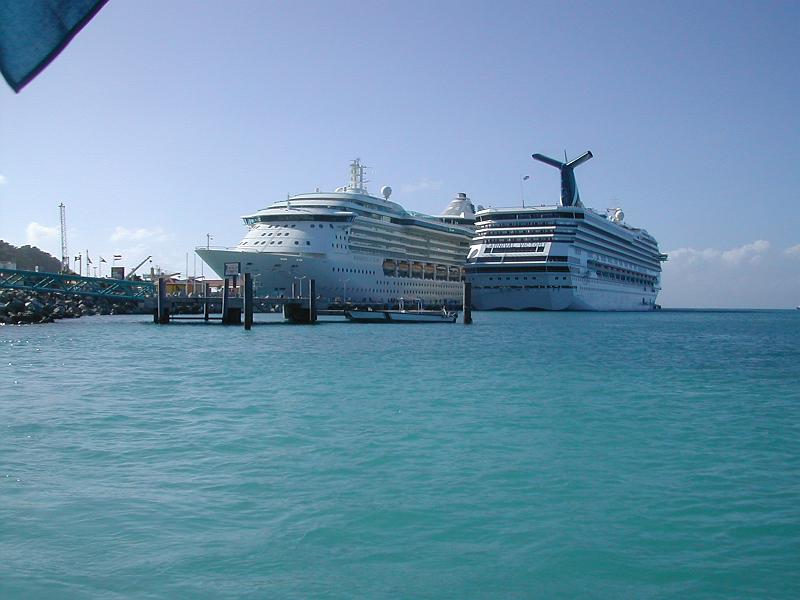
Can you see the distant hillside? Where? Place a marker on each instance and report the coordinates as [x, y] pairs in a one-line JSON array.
[[28, 258]]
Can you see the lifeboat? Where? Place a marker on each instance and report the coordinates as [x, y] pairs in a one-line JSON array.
[[402, 269], [429, 271], [441, 272], [416, 270], [389, 267], [454, 274]]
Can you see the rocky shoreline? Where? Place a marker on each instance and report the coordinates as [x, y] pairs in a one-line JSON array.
[[28, 307]]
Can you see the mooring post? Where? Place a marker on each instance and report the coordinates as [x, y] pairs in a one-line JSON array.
[[248, 301], [312, 301], [467, 303], [225, 300], [206, 302], [163, 307]]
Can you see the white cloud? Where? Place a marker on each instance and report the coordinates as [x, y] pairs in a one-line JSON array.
[[142, 233], [422, 186], [793, 252], [751, 253], [3, 179], [37, 233], [752, 275]]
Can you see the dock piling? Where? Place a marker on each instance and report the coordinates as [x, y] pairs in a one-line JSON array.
[[312, 301], [248, 301], [162, 309], [231, 315], [206, 303], [467, 307]]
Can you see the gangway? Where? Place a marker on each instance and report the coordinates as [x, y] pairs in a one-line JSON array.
[[75, 285]]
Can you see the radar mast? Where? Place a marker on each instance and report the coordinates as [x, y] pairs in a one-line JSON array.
[[357, 180]]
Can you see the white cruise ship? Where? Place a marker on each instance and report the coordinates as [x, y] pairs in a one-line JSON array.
[[358, 248], [564, 257]]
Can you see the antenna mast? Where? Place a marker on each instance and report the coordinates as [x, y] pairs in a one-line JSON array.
[[357, 180], [64, 253]]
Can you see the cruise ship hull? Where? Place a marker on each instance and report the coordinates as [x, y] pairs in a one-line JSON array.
[[560, 295], [351, 277]]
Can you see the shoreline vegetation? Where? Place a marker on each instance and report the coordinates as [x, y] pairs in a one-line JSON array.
[[18, 307]]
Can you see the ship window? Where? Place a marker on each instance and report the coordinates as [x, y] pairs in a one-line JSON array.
[[308, 243], [296, 242], [280, 242], [312, 225]]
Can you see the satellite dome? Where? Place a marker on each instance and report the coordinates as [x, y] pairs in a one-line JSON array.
[[386, 191]]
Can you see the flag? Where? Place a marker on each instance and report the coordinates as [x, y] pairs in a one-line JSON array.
[[526, 178], [88, 260], [78, 258], [118, 257], [103, 259], [33, 34]]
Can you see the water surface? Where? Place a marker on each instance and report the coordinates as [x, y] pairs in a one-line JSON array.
[[527, 455]]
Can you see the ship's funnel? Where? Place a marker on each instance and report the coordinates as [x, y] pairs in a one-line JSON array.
[[569, 189]]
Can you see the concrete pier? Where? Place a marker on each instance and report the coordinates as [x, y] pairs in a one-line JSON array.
[[297, 310]]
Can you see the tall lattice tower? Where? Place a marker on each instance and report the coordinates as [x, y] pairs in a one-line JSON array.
[[64, 252]]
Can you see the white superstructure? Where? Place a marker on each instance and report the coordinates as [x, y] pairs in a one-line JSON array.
[[562, 257], [358, 248]]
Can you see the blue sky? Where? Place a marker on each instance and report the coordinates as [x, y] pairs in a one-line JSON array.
[[164, 121]]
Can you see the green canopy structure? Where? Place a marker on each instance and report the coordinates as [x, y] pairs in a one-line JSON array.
[[34, 32]]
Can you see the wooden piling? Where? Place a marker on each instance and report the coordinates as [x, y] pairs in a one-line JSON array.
[[162, 309], [248, 301], [467, 303]]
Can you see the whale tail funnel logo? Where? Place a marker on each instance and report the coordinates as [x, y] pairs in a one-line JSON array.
[[569, 189]]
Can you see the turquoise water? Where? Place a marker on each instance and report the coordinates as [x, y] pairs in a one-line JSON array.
[[530, 455]]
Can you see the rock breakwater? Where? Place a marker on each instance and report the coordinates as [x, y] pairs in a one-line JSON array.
[[28, 306]]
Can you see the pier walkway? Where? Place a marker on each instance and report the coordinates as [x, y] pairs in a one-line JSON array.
[[75, 285]]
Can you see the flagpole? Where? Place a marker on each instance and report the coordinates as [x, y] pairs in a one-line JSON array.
[[522, 179]]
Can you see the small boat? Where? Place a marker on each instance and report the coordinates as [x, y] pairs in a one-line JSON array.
[[422, 316], [366, 316], [401, 316]]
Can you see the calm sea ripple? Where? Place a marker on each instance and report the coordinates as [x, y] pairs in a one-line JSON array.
[[529, 455]]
